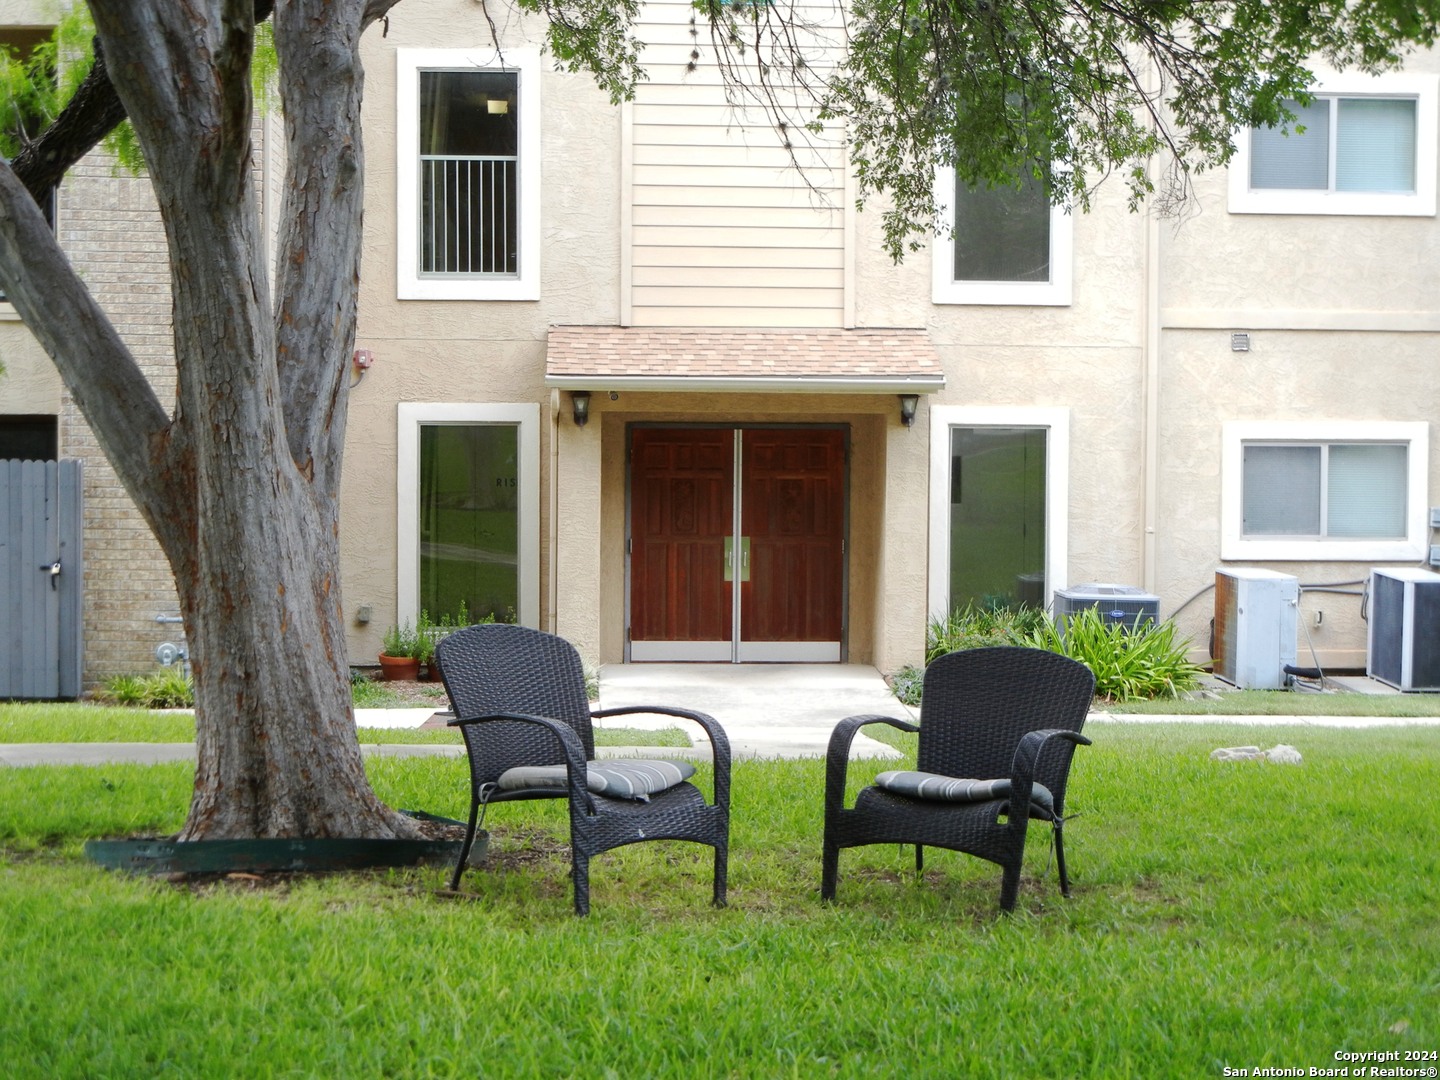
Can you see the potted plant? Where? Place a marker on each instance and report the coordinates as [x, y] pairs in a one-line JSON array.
[[400, 656]]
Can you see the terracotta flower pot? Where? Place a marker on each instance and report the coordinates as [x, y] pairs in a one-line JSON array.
[[399, 668]]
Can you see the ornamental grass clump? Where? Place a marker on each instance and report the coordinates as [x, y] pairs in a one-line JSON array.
[[168, 689], [1129, 662], [973, 627]]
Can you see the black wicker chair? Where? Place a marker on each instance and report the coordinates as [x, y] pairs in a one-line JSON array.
[[519, 700], [997, 713]]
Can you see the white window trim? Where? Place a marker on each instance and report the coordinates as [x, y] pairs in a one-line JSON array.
[[1423, 88], [525, 416], [410, 285], [1233, 546], [1053, 293], [1057, 490]]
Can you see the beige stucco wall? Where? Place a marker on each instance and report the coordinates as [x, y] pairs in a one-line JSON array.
[[1087, 357], [466, 351], [1287, 375], [1344, 320], [1342, 311]]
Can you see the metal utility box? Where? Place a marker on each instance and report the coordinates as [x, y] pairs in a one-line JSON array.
[[1404, 631], [1255, 625], [1123, 605]]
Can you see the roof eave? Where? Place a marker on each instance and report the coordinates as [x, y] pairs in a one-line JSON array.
[[778, 384]]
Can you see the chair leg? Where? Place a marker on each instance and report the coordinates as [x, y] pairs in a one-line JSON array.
[[722, 863], [465, 847], [919, 859], [829, 870], [580, 876], [1060, 859], [1010, 886]]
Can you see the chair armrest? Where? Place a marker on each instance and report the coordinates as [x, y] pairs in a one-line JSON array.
[[576, 772], [1027, 755], [719, 741], [837, 757]]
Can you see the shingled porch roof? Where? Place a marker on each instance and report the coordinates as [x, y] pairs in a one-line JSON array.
[[685, 358]]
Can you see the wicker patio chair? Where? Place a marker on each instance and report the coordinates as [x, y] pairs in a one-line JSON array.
[[996, 714], [519, 700]]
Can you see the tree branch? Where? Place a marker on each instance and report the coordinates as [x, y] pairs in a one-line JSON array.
[[98, 368], [87, 118], [318, 264]]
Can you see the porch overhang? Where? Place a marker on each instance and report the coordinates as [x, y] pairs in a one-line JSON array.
[[680, 359]]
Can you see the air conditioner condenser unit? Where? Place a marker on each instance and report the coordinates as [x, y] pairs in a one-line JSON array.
[[1256, 615], [1118, 605], [1404, 630]]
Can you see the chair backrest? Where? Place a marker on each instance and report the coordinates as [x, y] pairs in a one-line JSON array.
[[979, 703], [499, 668]]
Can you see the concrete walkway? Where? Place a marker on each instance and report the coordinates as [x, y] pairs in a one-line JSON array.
[[767, 710]]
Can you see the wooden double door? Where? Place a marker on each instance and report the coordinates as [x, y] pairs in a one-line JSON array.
[[737, 543]]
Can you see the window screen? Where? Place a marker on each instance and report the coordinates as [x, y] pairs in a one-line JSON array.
[[1002, 234], [1339, 144], [1341, 490]]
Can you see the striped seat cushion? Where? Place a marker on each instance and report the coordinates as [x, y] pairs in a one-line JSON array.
[[937, 788], [636, 778]]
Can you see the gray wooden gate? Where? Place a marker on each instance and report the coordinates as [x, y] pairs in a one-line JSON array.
[[41, 579]]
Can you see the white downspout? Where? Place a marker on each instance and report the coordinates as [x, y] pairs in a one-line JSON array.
[[552, 600]]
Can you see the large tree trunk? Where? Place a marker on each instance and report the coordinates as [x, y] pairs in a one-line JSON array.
[[240, 485]]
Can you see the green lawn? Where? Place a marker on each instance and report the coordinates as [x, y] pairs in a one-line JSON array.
[[1225, 915]]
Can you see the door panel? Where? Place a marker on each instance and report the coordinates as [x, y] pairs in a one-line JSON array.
[[682, 512], [793, 512], [694, 565]]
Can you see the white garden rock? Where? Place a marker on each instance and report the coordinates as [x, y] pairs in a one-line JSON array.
[[1280, 754]]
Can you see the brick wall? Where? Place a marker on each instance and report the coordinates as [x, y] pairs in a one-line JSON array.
[[110, 227]]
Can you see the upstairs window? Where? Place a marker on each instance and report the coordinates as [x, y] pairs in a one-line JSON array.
[[469, 172], [1368, 148], [1009, 245], [468, 175]]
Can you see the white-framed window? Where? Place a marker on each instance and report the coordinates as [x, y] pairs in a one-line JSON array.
[[1368, 147], [992, 469], [1005, 245], [1338, 491], [468, 527], [468, 174]]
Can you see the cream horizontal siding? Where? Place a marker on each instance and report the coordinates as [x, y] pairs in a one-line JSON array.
[[723, 229], [717, 315], [658, 259], [769, 277]]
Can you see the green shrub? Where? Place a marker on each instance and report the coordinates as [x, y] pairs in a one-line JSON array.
[[973, 627], [1129, 662], [167, 689], [125, 690]]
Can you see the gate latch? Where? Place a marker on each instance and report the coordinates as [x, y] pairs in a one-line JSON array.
[[53, 569]]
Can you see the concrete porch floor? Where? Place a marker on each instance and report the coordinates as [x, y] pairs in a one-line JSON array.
[[767, 710]]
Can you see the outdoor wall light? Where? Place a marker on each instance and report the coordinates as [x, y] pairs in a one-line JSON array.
[[908, 404], [580, 403]]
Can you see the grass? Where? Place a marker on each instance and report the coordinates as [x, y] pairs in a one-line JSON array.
[[1286, 703], [1267, 917]]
